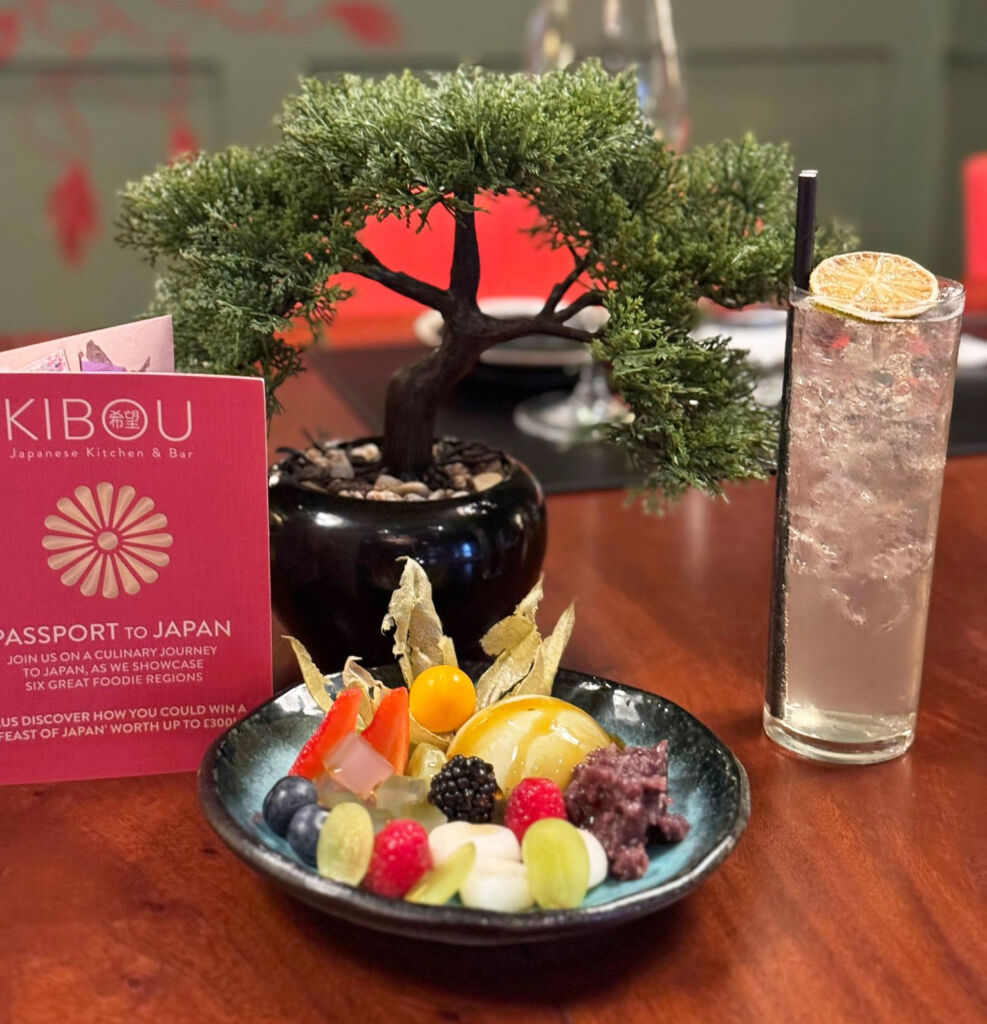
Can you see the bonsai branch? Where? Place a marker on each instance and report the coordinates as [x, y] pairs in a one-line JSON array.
[[498, 331], [367, 265], [555, 295], [594, 297]]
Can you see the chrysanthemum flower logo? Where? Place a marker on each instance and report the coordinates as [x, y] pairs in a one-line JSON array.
[[108, 542]]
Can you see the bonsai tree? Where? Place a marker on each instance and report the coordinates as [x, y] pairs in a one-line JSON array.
[[247, 240]]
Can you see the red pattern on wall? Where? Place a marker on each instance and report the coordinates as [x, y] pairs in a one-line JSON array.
[[74, 212], [10, 34], [182, 139], [368, 23], [76, 27]]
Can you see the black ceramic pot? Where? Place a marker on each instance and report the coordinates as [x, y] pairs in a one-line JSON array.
[[334, 562]]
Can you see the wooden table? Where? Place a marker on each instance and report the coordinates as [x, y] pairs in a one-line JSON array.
[[857, 895]]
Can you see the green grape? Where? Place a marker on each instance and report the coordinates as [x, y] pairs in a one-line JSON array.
[[440, 884], [558, 864], [346, 843]]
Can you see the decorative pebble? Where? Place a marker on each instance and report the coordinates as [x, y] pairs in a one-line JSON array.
[[339, 464], [348, 472], [413, 487], [365, 452], [484, 481]]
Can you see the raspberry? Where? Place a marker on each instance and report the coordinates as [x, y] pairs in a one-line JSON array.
[[401, 856], [532, 800]]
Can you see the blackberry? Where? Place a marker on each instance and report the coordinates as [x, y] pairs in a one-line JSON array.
[[465, 789]]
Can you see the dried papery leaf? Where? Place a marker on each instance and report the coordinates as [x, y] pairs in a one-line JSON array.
[[549, 654], [419, 734], [372, 690], [419, 642], [507, 671], [354, 674], [528, 605], [509, 632], [447, 652], [314, 680], [513, 642]]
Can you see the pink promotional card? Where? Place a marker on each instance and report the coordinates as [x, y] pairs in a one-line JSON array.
[[135, 615], [145, 346]]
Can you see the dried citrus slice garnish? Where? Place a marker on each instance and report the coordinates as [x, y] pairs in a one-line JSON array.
[[874, 285]]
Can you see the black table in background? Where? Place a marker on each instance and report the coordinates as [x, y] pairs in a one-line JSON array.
[[482, 407], [968, 427]]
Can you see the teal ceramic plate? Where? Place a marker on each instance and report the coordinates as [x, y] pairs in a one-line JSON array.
[[706, 781]]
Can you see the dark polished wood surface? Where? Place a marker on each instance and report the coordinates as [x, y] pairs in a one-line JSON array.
[[857, 894]]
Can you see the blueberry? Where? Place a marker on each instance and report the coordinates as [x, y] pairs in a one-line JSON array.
[[287, 795], [303, 832]]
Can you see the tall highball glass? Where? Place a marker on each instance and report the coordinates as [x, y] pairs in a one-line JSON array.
[[868, 424]]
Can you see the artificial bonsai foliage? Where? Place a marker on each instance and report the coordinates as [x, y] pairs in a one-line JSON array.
[[248, 240]]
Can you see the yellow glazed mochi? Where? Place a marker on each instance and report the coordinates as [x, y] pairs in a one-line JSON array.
[[530, 736]]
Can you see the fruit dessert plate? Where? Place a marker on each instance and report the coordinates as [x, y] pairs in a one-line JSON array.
[[705, 780]]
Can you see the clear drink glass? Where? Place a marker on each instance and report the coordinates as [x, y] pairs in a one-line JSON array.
[[868, 425]]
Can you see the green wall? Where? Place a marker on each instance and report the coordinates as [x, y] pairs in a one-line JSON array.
[[884, 98]]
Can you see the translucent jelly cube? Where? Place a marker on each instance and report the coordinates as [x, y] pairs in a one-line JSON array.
[[427, 815], [354, 764], [331, 794], [397, 792]]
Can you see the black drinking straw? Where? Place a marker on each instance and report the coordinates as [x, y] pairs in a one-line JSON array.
[[805, 226]]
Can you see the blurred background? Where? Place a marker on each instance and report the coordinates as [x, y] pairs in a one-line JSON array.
[[886, 100]]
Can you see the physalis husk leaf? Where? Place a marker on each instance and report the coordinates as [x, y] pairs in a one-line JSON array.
[[547, 658], [315, 681], [511, 631], [419, 642]]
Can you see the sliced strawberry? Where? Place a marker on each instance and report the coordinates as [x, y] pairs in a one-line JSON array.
[[388, 731], [340, 721]]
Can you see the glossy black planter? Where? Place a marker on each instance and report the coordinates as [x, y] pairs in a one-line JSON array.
[[334, 562]]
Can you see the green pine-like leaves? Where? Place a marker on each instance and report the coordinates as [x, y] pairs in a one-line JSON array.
[[248, 239]]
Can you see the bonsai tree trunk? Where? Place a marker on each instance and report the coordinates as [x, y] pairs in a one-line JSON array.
[[413, 397], [415, 392]]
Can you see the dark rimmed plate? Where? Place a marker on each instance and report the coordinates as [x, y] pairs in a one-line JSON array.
[[706, 781]]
